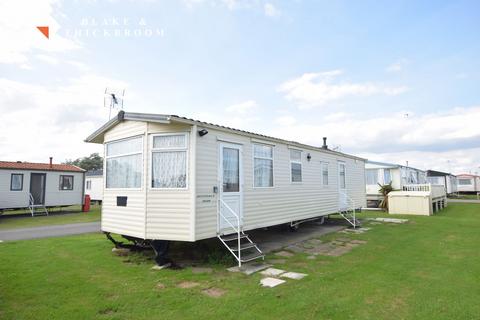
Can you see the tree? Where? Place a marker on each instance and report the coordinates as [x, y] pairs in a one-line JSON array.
[[92, 162], [384, 191]]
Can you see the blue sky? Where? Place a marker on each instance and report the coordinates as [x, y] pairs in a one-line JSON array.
[[394, 82]]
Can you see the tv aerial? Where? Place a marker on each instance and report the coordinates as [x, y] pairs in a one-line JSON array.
[[113, 99]]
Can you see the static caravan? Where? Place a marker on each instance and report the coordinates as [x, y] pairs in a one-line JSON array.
[[384, 173], [38, 186], [170, 178], [447, 180], [468, 183], [94, 185]]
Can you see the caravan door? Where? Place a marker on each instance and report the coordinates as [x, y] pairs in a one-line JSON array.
[[230, 186], [37, 187]]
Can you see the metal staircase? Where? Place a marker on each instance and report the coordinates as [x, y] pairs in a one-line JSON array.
[[36, 209], [348, 213], [237, 242]]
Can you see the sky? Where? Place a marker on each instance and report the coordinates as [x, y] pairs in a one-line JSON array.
[[395, 81]]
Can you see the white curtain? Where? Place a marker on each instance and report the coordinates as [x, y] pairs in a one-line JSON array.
[[17, 182], [296, 169], [263, 172], [169, 169], [262, 165], [325, 174], [169, 141], [372, 176], [231, 170], [124, 172], [387, 178], [342, 176]]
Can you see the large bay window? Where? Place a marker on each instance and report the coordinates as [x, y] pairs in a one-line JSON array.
[[169, 161], [262, 166], [124, 163]]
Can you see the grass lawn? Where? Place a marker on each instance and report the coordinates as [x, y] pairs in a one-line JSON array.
[[12, 222], [426, 269], [467, 196]]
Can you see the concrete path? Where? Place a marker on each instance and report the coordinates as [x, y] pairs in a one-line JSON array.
[[49, 231], [276, 238], [463, 201]]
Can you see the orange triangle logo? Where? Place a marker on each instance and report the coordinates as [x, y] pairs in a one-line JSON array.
[[44, 30]]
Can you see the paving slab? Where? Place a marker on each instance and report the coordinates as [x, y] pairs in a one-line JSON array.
[[284, 254], [272, 272], [250, 268], [390, 220], [271, 282], [293, 275], [277, 261]]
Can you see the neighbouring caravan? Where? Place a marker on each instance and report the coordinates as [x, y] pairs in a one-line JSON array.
[[94, 185], [384, 173], [174, 178], [38, 186], [468, 183], [447, 180]]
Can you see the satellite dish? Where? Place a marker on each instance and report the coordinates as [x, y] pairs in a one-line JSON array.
[[113, 99]]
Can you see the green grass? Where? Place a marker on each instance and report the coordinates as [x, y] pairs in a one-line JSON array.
[[467, 196], [71, 216], [426, 269]]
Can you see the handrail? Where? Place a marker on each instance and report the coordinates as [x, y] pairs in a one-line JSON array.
[[31, 200], [352, 202], [237, 229]]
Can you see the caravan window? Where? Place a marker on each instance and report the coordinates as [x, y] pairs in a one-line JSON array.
[[465, 182], [124, 163], [372, 176], [66, 182], [169, 161], [296, 165], [262, 166], [325, 173], [387, 177], [16, 182], [89, 184]]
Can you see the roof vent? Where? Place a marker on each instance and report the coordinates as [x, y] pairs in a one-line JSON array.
[[51, 161], [325, 143], [19, 161]]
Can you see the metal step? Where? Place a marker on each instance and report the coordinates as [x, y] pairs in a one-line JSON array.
[[252, 256], [233, 236], [243, 246]]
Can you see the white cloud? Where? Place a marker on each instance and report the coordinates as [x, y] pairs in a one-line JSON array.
[[40, 121], [18, 32], [317, 89], [397, 66], [287, 121], [450, 133], [271, 10], [243, 107]]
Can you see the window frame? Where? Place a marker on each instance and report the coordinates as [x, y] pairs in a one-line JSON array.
[[11, 181], [377, 180], [61, 181], [385, 170], [88, 184], [263, 158], [123, 155], [470, 180], [297, 162], [344, 165], [185, 149], [322, 165]]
